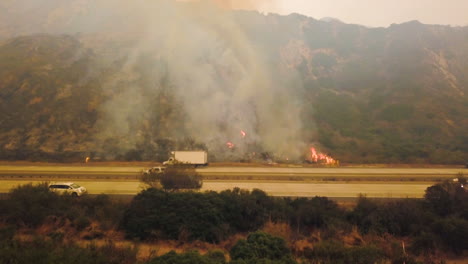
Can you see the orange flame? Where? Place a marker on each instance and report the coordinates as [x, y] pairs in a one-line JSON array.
[[320, 157], [243, 133]]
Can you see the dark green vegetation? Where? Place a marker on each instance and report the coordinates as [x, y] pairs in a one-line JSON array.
[[47, 112], [261, 248], [190, 257], [179, 177], [366, 95], [29, 207], [54, 250], [212, 217], [432, 227], [173, 178]]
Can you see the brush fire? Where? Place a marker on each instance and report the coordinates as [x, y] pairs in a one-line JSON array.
[[318, 157], [311, 156]]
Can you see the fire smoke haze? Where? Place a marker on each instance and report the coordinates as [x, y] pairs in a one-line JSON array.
[[373, 13], [201, 53], [242, 4], [223, 82]]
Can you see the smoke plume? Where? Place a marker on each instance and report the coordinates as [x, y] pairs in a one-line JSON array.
[[197, 51]]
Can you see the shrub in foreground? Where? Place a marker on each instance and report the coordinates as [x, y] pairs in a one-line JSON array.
[[41, 251], [191, 257], [260, 247], [210, 216], [29, 205]]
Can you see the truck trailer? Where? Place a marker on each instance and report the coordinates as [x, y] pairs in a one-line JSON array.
[[195, 158]]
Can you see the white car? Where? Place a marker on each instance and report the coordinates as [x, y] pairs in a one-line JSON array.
[[68, 187]]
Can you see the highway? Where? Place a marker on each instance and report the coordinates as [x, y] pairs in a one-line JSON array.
[[290, 189], [239, 173], [333, 174], [277, 181]]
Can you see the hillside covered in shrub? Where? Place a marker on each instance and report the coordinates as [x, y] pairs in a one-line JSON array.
[[121, 83]]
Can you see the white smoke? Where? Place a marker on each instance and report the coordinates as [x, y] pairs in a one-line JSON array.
[[217, 73], [224, 84]]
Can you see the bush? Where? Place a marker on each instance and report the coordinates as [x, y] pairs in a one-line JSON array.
[[81, 222], [318, 212], [261, 247], [404, 259], [401, 217], [180, 177], [102, 209], [29, 205], [155, 214], [448, 197], [326, 252], [152, 179], [44, 251], [362, 214], [424, 243], [332, 252], [453, 233], [439, 200], [365, 255], [209, 216], [247, 211], [192, 257]]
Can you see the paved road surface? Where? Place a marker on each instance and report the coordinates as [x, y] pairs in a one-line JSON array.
[[292, 181], [380, 190], [238, 173]]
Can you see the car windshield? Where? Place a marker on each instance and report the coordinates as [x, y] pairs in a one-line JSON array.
[[74, 185]]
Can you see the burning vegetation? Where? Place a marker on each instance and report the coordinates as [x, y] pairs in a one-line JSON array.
[[318, 157], [247, 149]]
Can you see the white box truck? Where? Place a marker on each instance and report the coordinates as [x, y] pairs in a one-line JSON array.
[[195, 158]]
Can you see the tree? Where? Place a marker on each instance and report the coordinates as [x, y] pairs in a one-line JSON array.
[[314, 213], [30, 204], [439, 199], [448, 197], [180, 177], [362, 214], [152, 178]]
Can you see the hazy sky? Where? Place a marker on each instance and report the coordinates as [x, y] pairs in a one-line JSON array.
[[375, 12]]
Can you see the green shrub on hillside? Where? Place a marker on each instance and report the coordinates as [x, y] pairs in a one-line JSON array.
[[195, 216], [29, 205], [333, 252], [191, 257], [318, 212], [260, 247], [42, 251]]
